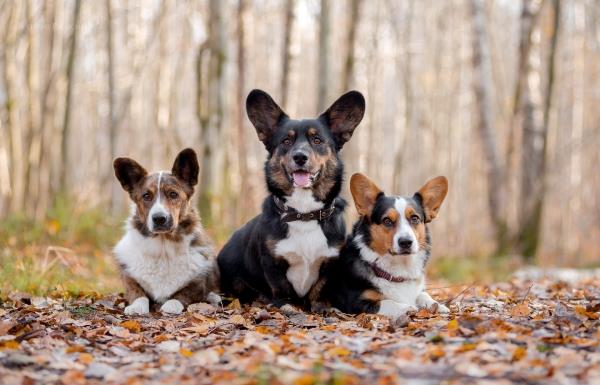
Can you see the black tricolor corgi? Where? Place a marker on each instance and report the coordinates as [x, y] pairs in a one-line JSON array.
[[277, 255], [381, 269]]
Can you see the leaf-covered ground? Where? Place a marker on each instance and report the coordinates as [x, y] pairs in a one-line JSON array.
[[536, 332]]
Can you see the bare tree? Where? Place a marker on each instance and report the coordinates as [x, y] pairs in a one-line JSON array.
[[243, 206], [482, 86], [286, 54], [348, 71], [210, 104], [66, 128], [534, 139], [323, 77]]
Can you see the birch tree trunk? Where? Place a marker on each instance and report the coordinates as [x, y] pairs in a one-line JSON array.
[[210, 110], [482, 87], [323, 76], [534, 140], [286, 54], [348, 72], [66, 128]]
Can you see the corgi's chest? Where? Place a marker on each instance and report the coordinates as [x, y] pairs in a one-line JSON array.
[[402, 292], [305, 249], [160, 267]]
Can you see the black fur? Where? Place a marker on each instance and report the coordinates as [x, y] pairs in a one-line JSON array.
[[249, 268]]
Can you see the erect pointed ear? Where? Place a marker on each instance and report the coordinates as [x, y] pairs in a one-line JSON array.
[[365, 193], [264, 114], [432, 195], [186, 167], [129, 173], [344, 115]]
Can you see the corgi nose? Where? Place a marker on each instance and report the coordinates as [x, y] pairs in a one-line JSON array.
[[159, 219], [300, 158], [405, 243]]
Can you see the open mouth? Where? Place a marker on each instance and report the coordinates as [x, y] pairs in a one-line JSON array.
[[401, 252], [304, 178]]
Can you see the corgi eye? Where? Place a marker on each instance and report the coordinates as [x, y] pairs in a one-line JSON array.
[[147, 196], [173, 195], [317, 140], [287, 141], [415, 220], [387, 222]]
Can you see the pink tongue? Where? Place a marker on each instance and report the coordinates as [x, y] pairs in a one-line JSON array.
[[301, 178]]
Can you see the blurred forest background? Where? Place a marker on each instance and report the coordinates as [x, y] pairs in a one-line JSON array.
[[501, 96]]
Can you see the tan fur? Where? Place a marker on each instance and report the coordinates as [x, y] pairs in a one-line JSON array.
[[382, 237], [433, 194], [372, 295], [419, 228], [132, 289], [364, 192]]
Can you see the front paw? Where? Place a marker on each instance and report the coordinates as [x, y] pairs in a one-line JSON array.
[[394, 309], [172, 306], [214, 299], [138, 307], [439, 308]]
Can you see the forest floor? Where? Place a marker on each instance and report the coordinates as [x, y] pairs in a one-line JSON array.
[[543, 331]]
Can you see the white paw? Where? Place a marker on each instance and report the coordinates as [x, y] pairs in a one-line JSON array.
[[394, 309], [172, 306], [140, 306], [214, 299], [442, 309]]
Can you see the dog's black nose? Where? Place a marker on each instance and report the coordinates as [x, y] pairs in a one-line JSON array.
[[405, 243], [300, 158], [159, 219]]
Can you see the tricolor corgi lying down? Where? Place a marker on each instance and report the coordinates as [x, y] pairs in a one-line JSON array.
[[165, 256], [381, 269]]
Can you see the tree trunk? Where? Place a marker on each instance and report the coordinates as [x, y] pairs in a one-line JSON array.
[[66, 129], [210, 111], [112, 126], [534, 142], [245, 187], [15, 139], [323, 76], [286, 54], [348, 72], [482, 86]]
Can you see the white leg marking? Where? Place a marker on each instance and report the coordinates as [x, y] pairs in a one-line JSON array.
[[140, 306], [213, 299], [172, 306], [425, 300], [394, 309]]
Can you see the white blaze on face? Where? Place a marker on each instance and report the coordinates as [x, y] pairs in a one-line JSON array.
[[403, 228], [157, 207]]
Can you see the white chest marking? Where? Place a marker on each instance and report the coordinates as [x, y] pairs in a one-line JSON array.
[[161, 267], [305, 247]]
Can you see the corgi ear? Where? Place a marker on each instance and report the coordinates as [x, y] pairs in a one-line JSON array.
[[344, 115], [365, 193], [129, 173], [264, 114], [186, 167], [432, 195]]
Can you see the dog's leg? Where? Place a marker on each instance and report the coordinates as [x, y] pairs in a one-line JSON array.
[[275, 273], [424, 300], [139, 306], [135, 296], [172, 306], [394, 309]]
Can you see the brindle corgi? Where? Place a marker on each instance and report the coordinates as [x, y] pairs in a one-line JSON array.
[[165, 256]]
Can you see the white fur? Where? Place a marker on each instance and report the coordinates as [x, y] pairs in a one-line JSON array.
[[305, 247], [161, 267], [411, 292], [214, 299], [140, 306], [157, 207], [404, 229], [172, 306], [394, 309]]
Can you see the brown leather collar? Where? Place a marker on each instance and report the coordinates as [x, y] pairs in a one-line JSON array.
[[292, 215], [379, 272]]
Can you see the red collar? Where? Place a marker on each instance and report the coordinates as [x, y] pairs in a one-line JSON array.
[[379, 272]]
